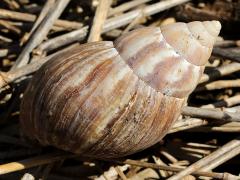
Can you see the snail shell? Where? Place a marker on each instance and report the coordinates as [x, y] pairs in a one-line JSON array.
[[107, 99]]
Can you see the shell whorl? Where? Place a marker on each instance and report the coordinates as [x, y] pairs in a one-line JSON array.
[[170, 60], [109, 100], [89, 101]]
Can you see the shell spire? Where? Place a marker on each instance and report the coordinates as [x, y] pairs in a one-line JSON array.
[[171, 59], [194, 40]]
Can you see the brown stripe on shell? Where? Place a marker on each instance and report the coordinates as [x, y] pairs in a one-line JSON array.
[[44, 75], [142, 117], [127, 125], [133, 131], [161, 77], [74, 97], [70, 103], [121, 43], [156, 61], [166, 114], [117, 125], [107, 101], [131, 44], [142, 56], [57, 84]]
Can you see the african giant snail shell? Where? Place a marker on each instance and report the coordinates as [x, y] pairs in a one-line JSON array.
[[107, 99]]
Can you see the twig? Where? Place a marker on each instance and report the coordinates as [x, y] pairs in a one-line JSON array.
[[27, 176], [220, 71], [199, 145], [190, 124], [9, 26], [227, 43], [126, 18], [32, 162], [5, 39], [4, 52], [65, 39], [190, 13], [45, 10], [111, 173], [228, 53], [133, 23], [174, 169], [120, 173], [158, 161], [12, 75], [185, 124], [99, 19], [50, 158], [231, 101], [224, 128], [210, 113], [221, 84], [6, 14], [14, 49], [234, 144], [222, 159], [126, 6], [12, 4], [40, 33]]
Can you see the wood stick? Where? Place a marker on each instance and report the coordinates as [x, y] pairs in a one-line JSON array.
[[126, 6], [99, 20], [26, 17], [234, 144], [190, 13], [228, 53], [158, 161], [9, 26], [220, 71], [136, 21], [65, 39], [189, 124], [185, 124], [12, 75], [222, 159], [223, 129], [4, 52], [199, 145], [120, 173], [50, 158], [174, 169], [231, 101], [5, 39], [126, 18], [32, 162], [40, 33], [210, 113], [221, 84], [12, 4], [227, 43], [46, 8]]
